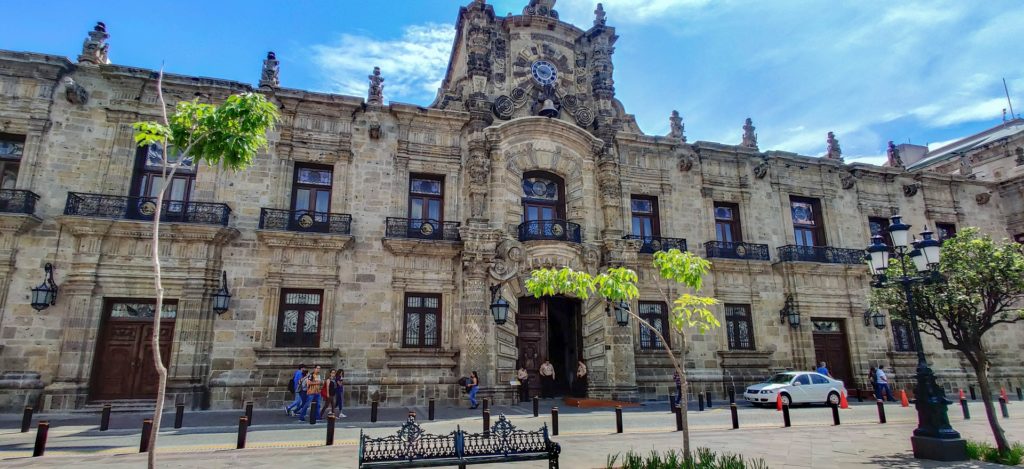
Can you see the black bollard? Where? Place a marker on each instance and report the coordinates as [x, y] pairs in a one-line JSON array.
[[373, 411], [554, 421], [732, 395], [487, 404], [41, 431], [735, 416], [709, 398], [1020, 394], [973, 396], [147, 430], [963, 406], [618, 419], [835, 414], [430, 409], [860, 395], [487, 424], [179, 414], [700, 402], [26, 419], [785, 415], [248, 412], [671, 402], [330, 429], [679, 419], [243, 427], [1002, 407], [881, 411], [105, 418], [536, 406]]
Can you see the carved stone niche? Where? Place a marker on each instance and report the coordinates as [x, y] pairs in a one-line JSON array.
[[982, 198]]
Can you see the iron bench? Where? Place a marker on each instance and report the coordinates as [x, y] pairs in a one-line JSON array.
[[411, 447]]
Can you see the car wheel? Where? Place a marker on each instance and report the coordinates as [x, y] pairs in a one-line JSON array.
[[833, 399], [786, 401]]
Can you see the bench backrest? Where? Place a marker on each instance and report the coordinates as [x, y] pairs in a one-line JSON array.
[[411, 443]]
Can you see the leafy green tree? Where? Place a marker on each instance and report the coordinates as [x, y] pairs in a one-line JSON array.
[[620, 284], [984, 284], [230, 135]]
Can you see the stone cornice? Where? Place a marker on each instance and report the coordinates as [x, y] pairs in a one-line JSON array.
[[18, 223], [422, 247], [302, 240], [88, 226]]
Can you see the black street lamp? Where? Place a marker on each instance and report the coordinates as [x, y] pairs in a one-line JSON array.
[[45, 295], [874, 317], [933, 438], [499, 306], [789, 313], [222, 298], [622, 313]]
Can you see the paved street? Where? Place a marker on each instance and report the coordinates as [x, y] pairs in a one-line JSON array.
[[587, 437]]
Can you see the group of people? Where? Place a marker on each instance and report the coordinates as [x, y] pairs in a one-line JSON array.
[[546, 371], [876, 376], [310, 389]]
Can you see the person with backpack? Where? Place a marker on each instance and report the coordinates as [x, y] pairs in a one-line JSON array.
[[293, 387], [311, 385]]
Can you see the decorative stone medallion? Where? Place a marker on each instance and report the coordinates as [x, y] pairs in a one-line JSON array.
[[305, 220], [147, 208]]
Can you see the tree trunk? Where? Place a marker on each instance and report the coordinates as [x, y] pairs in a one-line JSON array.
[[161, 370], [981, 371]]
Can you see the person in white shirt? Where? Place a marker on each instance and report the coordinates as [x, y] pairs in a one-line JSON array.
[[883, 385]]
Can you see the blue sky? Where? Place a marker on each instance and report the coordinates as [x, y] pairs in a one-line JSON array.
[[872, 71]]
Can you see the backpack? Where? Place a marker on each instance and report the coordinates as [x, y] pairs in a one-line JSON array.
[[464, 381], [291, 385]]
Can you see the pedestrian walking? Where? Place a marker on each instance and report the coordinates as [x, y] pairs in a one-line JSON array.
[[524, 384], [294, 386], [547, 379], [581, 378], [328, 392], [313, 385], [472, 386], [883, 385], [823, 370], [873, 380], [679, 388], [339, 379]]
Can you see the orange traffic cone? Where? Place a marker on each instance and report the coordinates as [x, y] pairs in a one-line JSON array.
[[842, 401], [903, 398], [778, 401]]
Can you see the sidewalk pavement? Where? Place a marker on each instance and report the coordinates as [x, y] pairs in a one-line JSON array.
[[586, 437]]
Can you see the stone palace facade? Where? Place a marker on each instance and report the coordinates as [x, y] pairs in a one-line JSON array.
[[369, 234]]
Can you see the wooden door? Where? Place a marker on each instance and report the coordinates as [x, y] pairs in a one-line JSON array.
[[123, 368], [532, 342], [830, 347]]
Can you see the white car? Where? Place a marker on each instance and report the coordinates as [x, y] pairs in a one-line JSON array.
[[796, 387]]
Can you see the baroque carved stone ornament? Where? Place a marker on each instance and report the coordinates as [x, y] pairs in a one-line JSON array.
[[74, 92], [599, 16], [749, 137], [832, 151], [761, 170], [910, 190], [504, 107], [95, 47], [847, 180], [676, 128], [376, 92], [541, 8], [893, 154], [983, 198], [271, 70]]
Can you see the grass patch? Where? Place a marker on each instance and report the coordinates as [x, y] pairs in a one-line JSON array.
[[703, 458], [982, 451]]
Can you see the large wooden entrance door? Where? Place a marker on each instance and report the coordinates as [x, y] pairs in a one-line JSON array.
[[532, 320], [830, 346], [124, 367]]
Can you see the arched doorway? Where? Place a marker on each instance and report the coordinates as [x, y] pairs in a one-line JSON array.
[[550, 328]]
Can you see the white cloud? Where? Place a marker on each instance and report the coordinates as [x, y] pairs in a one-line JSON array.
[[581, 13], [412, 65]]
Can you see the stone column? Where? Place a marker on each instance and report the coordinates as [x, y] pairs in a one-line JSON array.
[[477, 341]]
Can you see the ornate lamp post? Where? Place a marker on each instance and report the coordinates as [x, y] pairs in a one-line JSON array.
[[933, 438], [499, 306], [789, 313], [45, 295], [222, 298], [874, 317]]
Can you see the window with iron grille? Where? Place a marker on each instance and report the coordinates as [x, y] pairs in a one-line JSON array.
[[298, 322], [739, 327], [902, 336], [422, 320], [945, 230], [656, 314], [11, 149]]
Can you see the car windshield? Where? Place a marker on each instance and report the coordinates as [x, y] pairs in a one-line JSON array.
[[780, 378]]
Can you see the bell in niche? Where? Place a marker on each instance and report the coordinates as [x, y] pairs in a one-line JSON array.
[[549, 109]]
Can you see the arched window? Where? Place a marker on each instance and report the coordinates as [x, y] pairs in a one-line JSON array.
[[543, 196]]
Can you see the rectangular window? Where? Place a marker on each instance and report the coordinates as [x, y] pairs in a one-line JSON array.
[[311, 193], [656, 314], [807, 226], [902, 337], [298, 319], [738, 327], [727, 223], [148, 178], [645, 216], [426, 197], [945, 231], [11, 149], [422, 320], [879, 226]]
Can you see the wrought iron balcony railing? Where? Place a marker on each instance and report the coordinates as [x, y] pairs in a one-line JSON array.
[[18, 201], [723, 250], [558, 230], [305, 221], [422, 228], [824, 254], [654, 244], [143, 208]]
